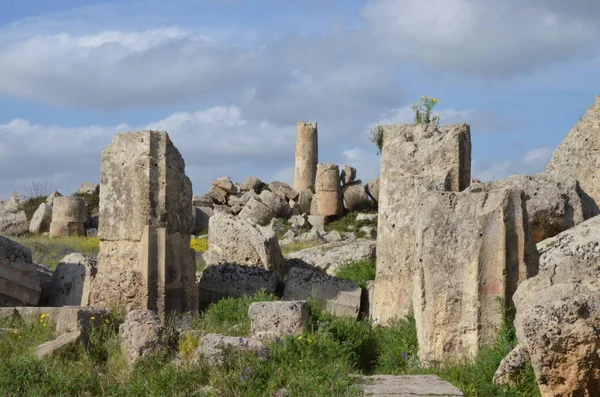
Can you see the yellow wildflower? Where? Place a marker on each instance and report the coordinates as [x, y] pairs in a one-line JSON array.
[[107, 321], [15, 331], [309, 340], [45, 324], [92, 318], [300, 337], [20, 336]]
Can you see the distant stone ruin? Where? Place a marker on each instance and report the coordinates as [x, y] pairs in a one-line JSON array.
[[68, 217], [145, 224], [307, 156]]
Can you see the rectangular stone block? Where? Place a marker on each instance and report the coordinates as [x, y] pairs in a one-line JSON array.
[[416, 158], [339, 297], [231, 280]]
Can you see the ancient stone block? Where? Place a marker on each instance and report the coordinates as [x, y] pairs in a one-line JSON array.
[[558, 312], [40, 221], [413, 155], [554, 202], [307, 155], [471, 249], [257, 211], [577, 155], [355, 197], [328, 193], [278, 205], [268, 319], [89, 188], [348, 175], [142, 334], [71, 281], [283, 190], [231, 280], [66, 339], [68, 217], [145, 225], [224, 183], [214, 346], [339, 297], [20, 283], [372, 189], [201, 217], [240, 241]]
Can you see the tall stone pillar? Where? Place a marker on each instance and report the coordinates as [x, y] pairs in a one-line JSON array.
[[307, 156], [328, 197], [145, 225]]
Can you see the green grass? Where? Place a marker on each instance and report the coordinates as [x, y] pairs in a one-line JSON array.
[[360, 272], [50, 251], [320, 362]]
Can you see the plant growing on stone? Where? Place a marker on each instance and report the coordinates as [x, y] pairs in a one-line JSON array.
[[376, 136], [423, 108]]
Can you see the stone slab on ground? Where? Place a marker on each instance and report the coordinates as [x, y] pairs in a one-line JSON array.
[[408, 386]]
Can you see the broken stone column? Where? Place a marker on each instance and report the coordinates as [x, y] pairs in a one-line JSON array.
[[145, 224], [472, 248], [328, 196], [68, 217], [413, 156], [307, 155]]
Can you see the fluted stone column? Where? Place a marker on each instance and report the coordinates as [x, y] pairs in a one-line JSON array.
[[307, 156]]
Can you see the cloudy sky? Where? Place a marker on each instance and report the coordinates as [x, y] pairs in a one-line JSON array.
[[230, 79]]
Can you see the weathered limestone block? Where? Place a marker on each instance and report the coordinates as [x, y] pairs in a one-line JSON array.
[[511, 365], [88, 188], [307, 155], [348, 175], [278, 205], [14, 224], [328, 199], [19, 279], [408, 386], [339, 297], [240, 241], [372, 189], [577, 156], [332, 256], [213, 347], [355, 197], [68, 217], [413, 156], [471, 248], [203, 201], [558, 313], [303, 201], [142, 334], [217, 194], [252, 183], [271, 319], [51, 196], [71, 281], [40, 221], [257, 211], [145, 224], [231, 280], [224, 183], [283, 190], [554, 203], [67, 339]]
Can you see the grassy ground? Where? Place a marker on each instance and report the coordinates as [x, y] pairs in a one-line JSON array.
[[360, 272], [50, 251], [320, 362]]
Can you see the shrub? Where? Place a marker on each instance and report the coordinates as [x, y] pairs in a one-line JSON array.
[[31, 204]]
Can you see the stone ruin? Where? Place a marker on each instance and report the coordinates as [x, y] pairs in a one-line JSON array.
[[307, 156], [446, 251], [68, 217], [145, 260]]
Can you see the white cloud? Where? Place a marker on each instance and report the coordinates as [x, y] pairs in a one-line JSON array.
[[486, 37], [532, 162], [214, 142]]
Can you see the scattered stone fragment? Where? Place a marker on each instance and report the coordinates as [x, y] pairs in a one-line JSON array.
[[272, 319], [142, 335], [66, 339], [348, 175], [225, 184], [40, 221]]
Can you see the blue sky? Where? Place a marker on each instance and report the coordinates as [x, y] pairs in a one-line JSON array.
[[230, 79]]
